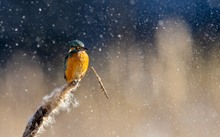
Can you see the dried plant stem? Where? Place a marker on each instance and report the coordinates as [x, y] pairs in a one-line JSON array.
[[100, 83], [60, 99]]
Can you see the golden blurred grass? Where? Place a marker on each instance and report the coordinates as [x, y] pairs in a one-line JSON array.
[[168, 93]]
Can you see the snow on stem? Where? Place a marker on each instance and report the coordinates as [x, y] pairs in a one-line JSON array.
[[60, 99]]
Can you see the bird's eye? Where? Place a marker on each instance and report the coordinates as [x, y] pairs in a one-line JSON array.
[[78, 48]]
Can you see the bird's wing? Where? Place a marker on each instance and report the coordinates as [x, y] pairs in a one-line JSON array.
[[65, 65]]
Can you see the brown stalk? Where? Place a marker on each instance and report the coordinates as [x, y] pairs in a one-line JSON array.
[[100, 83]]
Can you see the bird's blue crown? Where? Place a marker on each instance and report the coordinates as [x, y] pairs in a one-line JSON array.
[[76, 43]]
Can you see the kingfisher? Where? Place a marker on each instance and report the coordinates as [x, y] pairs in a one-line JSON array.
[[76, 62]]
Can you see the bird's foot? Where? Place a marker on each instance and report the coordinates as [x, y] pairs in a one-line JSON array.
[[75, 81]]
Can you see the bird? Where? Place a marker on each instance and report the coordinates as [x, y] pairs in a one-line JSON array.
[[76, 62]]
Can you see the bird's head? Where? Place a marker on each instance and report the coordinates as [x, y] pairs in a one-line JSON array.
[[76, 46]]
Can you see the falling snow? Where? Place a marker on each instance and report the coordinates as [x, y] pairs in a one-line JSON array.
[[159, 60]]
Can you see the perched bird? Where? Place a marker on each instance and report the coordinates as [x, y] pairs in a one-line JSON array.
[[76, 62]]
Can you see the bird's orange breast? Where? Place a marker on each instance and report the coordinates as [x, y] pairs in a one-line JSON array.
[[76, 66]]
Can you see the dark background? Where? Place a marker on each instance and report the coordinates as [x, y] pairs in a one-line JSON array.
[[44, 27]]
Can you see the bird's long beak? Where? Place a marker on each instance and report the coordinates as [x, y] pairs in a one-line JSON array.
[[85, 48]]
